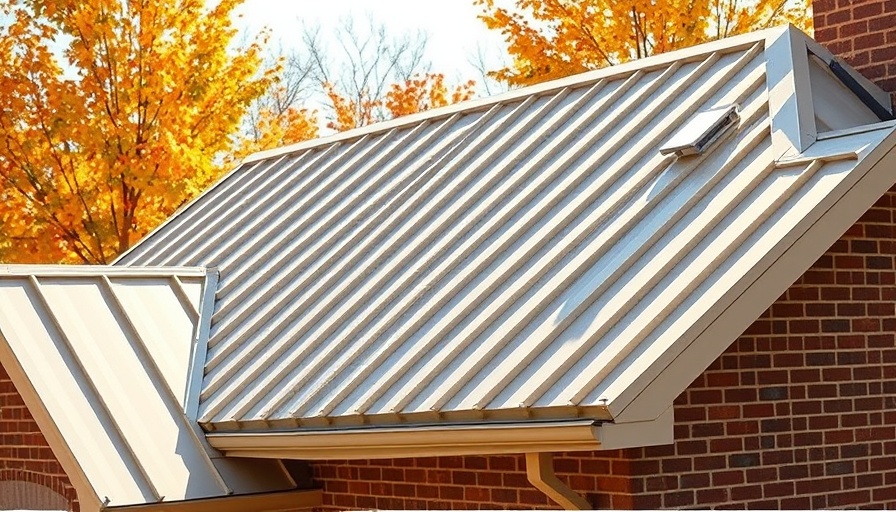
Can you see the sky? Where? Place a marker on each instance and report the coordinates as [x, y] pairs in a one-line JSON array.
[[453, 30]]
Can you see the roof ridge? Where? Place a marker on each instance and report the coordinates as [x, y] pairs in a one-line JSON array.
[[733, 43]]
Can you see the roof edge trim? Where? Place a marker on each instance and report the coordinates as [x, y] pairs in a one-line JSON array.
[[98, 270], [759, 289], [883, 125], [199, 350], [579, 80], [262, 502], [423, 441]]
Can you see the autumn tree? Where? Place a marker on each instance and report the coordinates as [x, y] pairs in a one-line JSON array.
[[372, 76], [550, 39], [113, 114]]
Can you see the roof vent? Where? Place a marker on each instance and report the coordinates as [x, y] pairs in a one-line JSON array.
[[701, 131]]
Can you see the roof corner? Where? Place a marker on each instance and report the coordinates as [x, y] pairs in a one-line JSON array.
[[812, 93]]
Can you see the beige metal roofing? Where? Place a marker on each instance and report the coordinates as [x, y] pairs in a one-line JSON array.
[[529, 256], [102, 356]]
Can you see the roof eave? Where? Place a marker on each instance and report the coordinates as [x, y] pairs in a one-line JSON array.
[[445, 440]]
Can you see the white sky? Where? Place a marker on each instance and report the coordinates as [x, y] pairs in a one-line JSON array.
[[452, 27]]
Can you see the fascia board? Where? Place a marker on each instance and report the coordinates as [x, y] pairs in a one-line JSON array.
[[636, 434], [448, 440], [789, 92], [658, 387]]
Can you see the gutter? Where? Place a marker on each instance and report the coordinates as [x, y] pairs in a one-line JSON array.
[[415, 441], [535, 439], [434, 440]]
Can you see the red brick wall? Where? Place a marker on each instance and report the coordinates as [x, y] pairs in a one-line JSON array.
[[800, 412], [864, 33], [24, 453]]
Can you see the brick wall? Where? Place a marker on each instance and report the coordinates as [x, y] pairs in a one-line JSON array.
[[800, 412], [864, 33], [25, 455]]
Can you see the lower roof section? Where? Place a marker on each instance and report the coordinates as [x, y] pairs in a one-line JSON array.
[[102, 357]]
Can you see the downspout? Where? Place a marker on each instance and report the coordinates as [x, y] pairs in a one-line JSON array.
[[540, 471]]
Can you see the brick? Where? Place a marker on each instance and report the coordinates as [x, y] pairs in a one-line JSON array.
[[679, 499], [778, 489], [839, 468], [773, 393], [661, 483]]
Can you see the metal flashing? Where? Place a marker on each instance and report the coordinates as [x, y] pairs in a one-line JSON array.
[[842, 73], [790, 92], [856, 130], [199, 347], [881, 97], [43, 271]]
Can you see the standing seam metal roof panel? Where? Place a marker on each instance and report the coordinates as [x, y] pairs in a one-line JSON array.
[[523, 256]]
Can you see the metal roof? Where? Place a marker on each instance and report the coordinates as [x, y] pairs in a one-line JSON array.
[[533, 255], [102, 357]]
